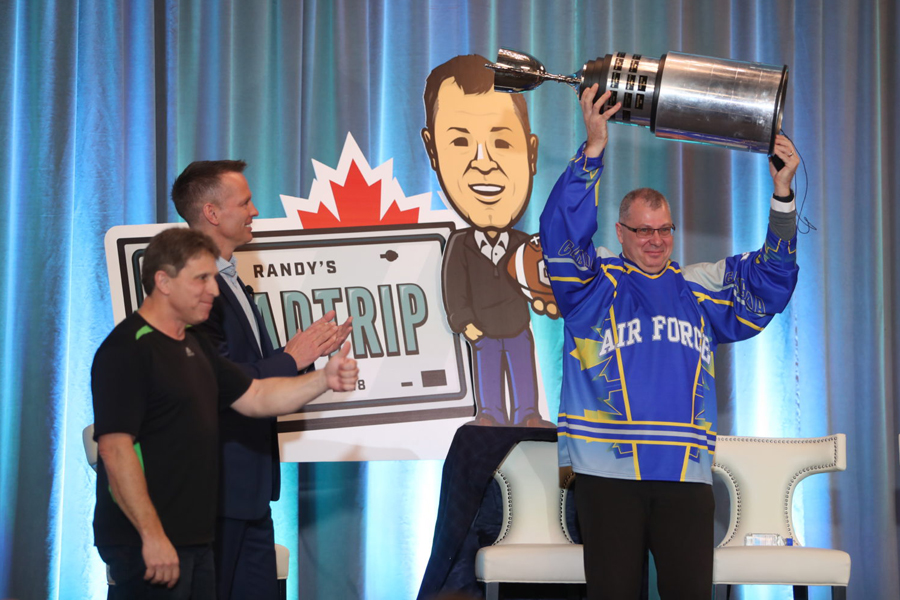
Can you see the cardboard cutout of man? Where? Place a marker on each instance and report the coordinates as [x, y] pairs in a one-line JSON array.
[[480, 145]]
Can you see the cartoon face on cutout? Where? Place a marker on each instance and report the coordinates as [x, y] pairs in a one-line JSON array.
[[479, 144]]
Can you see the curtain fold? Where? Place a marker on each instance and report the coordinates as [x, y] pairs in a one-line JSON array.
[[105, 103]]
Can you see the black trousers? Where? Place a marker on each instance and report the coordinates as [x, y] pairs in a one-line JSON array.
[[621, 519], [245, 559], [197, 580]]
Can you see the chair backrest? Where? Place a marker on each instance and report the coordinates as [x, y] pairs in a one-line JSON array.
[[761, 475], [282, 561], [90, 446], [534, 490]]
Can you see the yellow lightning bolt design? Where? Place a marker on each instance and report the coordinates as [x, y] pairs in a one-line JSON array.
[[602, 415], [623, 450], [587, 352]]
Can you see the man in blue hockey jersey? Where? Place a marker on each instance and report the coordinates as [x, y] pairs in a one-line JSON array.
[[637, 417]]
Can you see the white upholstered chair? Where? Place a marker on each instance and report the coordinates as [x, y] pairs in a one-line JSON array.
[[761, 475], [90, 446], [534, 545], [282, 554], [282, 567]]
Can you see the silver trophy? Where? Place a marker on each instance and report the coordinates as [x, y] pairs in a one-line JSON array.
[[679, 96]]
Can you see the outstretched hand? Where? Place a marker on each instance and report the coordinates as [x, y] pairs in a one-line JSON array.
[[341, 372], [784, 150], [595, 119], [315, 341], [339, 337]]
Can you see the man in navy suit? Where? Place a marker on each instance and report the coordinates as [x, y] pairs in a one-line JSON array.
[[214, 197]]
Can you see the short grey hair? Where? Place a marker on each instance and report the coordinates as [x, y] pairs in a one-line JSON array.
[[654, 199]]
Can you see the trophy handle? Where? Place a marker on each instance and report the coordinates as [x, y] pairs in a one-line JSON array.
[[517, 71]]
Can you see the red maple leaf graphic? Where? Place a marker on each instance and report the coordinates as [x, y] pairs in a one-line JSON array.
[[358, 205]]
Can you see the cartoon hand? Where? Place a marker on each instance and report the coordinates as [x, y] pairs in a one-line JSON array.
[[472, 333], [552, 310], [545, 307]]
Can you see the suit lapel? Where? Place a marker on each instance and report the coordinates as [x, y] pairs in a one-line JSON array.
[[232, 303], [268, 347]]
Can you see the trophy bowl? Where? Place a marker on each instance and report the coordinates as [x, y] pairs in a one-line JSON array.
[[679, 96]]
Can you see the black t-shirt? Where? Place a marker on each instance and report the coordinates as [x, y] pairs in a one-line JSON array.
[[167, 394]]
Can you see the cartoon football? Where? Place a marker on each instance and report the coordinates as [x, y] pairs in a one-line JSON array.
[[526, 267]]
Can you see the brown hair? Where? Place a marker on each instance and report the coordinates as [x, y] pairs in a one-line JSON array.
[[470, 74], [198, 184], [170, 250]]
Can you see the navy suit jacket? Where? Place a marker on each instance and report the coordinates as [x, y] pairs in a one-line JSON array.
[[249, 466]]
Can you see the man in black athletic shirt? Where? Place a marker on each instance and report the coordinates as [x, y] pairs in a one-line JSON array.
[[157, 388]]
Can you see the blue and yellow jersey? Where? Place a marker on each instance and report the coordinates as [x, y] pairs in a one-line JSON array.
[[638, 396]]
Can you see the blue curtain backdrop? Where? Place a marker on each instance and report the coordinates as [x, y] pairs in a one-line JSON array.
[[103, 103]]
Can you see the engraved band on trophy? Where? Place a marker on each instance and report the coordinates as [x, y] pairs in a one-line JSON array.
[[679, 96]]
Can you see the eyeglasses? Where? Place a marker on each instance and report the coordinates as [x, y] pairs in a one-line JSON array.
[[646, 233]]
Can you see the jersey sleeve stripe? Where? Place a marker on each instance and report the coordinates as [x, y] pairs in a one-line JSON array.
[[572, 279], [748, 323]]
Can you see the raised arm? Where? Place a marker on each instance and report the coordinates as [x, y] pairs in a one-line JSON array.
[[569, 219], [784, 150], [742, 293], [595, 120], [783, 214]]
